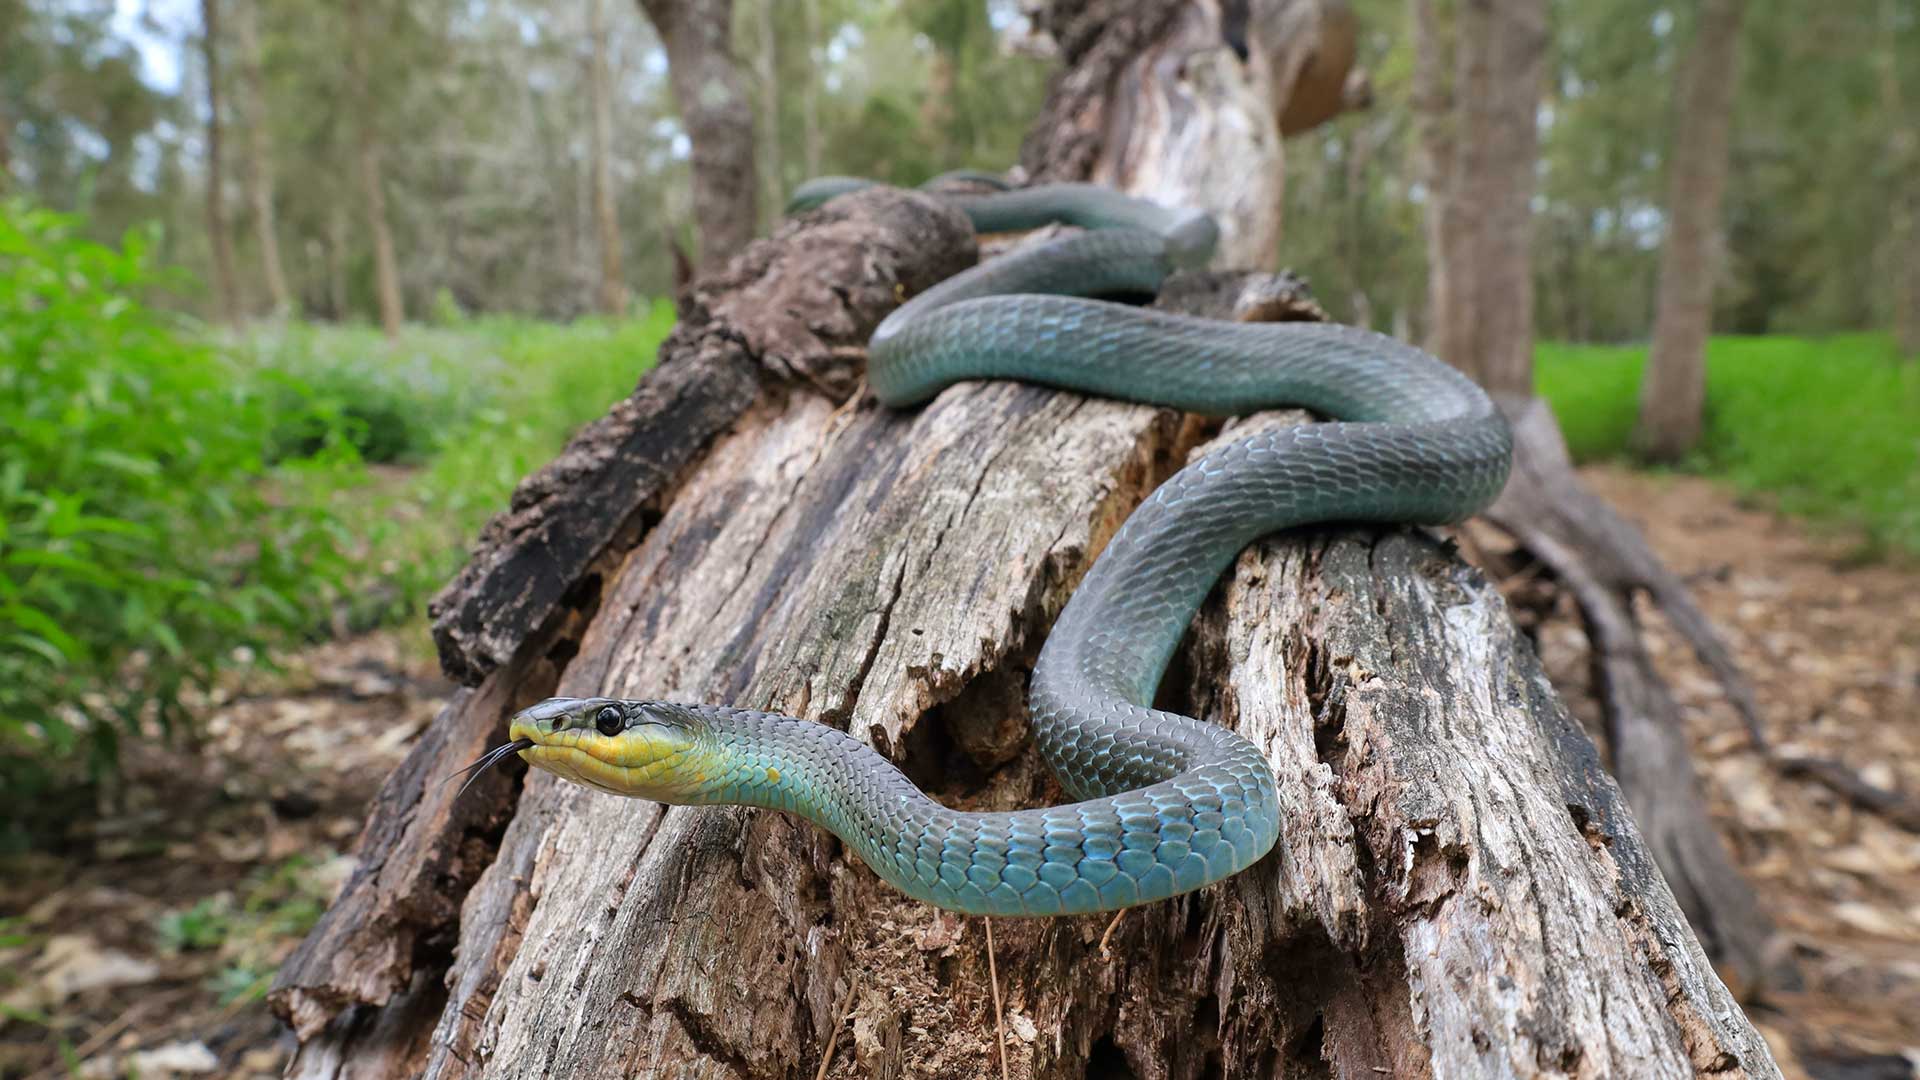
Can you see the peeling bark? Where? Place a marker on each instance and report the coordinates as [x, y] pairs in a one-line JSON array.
[[1603, 561], [1182, 99]]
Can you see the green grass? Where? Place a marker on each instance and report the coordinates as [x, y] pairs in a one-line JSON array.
[[1827, 428]]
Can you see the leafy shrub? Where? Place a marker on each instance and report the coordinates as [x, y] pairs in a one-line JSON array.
[[535, 384], [169, 507], [140, 542], [393, 403]]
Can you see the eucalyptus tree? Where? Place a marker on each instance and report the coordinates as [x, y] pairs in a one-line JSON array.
[[1674, 389]]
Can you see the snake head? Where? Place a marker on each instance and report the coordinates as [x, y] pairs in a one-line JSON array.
[[646, 749]]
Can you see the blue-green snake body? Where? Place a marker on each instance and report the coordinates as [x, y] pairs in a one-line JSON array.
[[1165, 803]]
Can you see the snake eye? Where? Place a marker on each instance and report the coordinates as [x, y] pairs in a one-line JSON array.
[[610, 720]]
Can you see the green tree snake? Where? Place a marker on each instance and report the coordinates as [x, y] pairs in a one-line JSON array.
[[1166, 803]]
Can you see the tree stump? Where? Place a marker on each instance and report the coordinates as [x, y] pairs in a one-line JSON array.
[[1458, 888]]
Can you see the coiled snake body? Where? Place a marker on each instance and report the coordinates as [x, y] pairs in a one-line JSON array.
[[1167, 803]]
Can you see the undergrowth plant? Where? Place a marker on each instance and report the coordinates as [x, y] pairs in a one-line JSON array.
[[174, 502], [139, 544]]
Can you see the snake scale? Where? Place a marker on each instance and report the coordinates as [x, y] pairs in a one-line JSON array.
[[1165, 803]]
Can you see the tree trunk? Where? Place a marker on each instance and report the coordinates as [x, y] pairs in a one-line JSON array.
[[810, 87], [337, 260], [766, 70], [6, 150], [606, 215], [1131, 67], [1903, 156], [1459, 889], [218, 242], [253, 100], [1503, 162], [712, 97], [1478, 147], [1433, 123], [1478, 143], [1673, 392], [366, 153]]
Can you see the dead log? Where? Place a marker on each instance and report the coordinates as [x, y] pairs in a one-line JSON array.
[[1151, 100], [1459, 887], [1602, 560]]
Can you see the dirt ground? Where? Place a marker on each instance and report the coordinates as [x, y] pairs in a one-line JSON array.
[[146, 943]]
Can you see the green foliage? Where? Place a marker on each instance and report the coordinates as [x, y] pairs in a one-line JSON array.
[[203, 926], [275, 904], [171, 508], [522, 387], [391, 402], [139, 547], [1826, 427]]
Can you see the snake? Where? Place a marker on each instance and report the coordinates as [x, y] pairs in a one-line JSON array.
[[1161, 803]]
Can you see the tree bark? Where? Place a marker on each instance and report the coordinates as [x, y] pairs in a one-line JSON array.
[[253, 99], [6, 150], [1903, 154], [1433, 124], [1674, 389], [810, 88], [366, 153], [1459, 888], [1478, 142], [612, 293], [1501, 171], [714, 110], [766, 70], [218, 241], [1604, 562], [1130, 69], [337, 260]]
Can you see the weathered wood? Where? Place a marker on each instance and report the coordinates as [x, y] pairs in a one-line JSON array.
[[1458, 888], [791, 307], [786, 310], [1601, 558]]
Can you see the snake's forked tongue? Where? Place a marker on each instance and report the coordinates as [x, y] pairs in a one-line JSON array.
[[487, 760]]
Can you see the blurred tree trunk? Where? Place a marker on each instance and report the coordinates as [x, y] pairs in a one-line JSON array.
[[1903, 155], [1433, 123], [714, 110], [366, 153], [766, 67], [810, 87], [337, 260], [606, 214], [218, 241], [253, 101], [1477, 145], [1674, 389], [1447, 822]]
